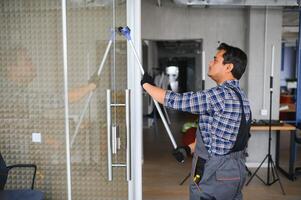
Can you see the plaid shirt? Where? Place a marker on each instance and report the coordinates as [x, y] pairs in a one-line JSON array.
[[219, 113]]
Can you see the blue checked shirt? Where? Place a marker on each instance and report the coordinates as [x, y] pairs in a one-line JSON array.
[[219, 113]]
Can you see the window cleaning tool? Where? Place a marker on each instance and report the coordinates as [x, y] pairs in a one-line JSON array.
[[126, 32], [92, 93], [165, 111]]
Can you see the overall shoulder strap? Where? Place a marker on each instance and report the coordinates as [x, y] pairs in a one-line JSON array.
[[241, 103], [244, 128], [240, 100]]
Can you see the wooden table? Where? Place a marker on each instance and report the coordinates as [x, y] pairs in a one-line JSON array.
[[285, 127], [291, 130]]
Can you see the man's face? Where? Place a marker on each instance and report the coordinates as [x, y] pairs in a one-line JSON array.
[[216, 67], [23, 71]]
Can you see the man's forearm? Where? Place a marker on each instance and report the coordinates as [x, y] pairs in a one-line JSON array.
[[77, 93], [157, 93]]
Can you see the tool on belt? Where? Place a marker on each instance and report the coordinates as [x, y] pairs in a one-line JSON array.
[[199, 170]]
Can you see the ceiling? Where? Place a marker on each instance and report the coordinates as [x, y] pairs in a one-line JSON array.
[[180, 46], [290, 26], [290, 23]]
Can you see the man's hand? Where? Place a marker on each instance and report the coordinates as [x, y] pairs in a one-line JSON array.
[[147, 79], [95, 79], [181, 153]]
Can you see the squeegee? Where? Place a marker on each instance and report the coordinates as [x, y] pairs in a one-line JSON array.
[[126, 32]]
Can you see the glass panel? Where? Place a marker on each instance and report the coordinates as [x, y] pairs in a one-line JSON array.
[[89, 29], [32, 99], [284, 150]]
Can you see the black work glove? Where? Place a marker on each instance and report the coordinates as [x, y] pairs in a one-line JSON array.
[[181, 153], [95, 79], [147, 79]]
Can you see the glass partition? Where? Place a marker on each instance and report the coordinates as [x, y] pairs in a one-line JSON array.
[[32, 96], [32, 117], [90, 27]]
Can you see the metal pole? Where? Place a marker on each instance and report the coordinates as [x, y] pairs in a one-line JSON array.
[[298, 89], [91, 93], [65, 63], [127, 35]]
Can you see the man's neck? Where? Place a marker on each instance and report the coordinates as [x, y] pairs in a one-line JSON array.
[[219, 82]]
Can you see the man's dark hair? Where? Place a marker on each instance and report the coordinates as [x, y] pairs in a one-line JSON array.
[[236, 57]]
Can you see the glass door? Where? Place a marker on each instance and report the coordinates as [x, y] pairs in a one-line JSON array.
[[32, 102], [32, 124], [97, 76]]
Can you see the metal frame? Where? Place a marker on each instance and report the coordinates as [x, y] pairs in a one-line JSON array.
[[230, 3], [298, 95], [135, 184], [290, 174], [66, 99], [298, 99], [133, 83]]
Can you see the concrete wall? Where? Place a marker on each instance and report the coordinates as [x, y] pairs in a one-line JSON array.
[[176, 23], [258, 91], [243, 28]]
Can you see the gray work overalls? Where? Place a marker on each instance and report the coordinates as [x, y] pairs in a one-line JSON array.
[[222, 177]]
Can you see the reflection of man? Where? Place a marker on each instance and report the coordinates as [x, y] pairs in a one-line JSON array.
[[18, 75], [22, 100], [218, 170]]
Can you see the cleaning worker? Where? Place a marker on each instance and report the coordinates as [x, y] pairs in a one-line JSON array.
[[218, 169]]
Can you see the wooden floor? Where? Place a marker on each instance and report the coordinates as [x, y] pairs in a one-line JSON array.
[[162, 174]]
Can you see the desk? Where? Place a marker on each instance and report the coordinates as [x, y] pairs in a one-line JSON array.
[[291, 130]]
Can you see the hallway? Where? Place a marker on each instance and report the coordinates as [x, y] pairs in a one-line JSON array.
[[162, 174]]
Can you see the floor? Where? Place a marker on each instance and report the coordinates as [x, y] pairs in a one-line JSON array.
[[162, 174]]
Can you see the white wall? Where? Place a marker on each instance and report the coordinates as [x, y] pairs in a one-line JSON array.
[[243, 28], [176, 23], [257, 93]]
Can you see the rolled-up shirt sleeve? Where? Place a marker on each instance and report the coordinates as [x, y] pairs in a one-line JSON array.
[[193, 102]]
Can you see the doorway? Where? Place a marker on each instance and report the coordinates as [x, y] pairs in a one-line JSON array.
[[162, 174]]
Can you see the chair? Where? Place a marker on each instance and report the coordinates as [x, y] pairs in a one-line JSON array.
[[21, 193]]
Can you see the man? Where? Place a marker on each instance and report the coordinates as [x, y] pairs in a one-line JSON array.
[[218, 170], [20, 94], [25, 103]]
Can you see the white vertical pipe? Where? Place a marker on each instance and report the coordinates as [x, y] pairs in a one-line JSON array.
[[273, 60], [65, 63], [264, 61], [133, 18]]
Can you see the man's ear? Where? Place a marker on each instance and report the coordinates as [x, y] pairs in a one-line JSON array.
[[229, 67]]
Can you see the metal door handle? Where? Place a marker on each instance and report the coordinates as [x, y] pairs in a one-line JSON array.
[[109, 124], [114, 138], [128, 135], [112, 132]]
